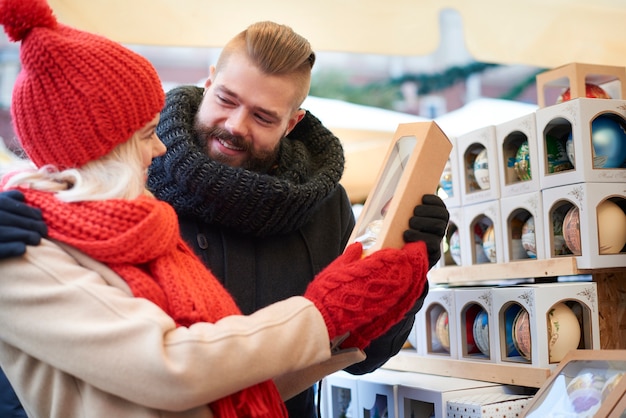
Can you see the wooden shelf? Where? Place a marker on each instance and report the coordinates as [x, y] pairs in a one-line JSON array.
[[508, 374], [475, 274]]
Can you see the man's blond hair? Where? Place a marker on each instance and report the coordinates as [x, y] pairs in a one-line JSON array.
[[275, 49]]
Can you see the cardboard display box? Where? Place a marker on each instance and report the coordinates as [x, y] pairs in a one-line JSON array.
[[574, 76], [413, 167], [587, 383]]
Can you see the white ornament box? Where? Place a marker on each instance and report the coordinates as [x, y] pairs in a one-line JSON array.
[[582, 140], [538, 324], [450, 184], [481, 235], [518, 156], [474, 314], [340, 395], [378, 394], [592, 221], [478, 162], [522, 220], [435, 325], [451, 244]]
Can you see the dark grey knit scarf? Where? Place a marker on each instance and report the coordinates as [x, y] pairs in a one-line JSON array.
[[310, 165]]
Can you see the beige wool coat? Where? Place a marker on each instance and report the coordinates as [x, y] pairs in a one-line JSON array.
[[74, 342]]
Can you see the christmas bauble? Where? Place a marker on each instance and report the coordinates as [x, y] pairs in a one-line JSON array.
[[563, 331], [608, 136], [571, 230], [489, 244], [521, 333], [441, 330], [481, 170], [611, 227], [528, 237], [556, 155], [522, 162], [455, 247], [592, 91], [481, 332], [509, 318]]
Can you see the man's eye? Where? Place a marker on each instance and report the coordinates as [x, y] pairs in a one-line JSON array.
[[263, 120], [224, 100]]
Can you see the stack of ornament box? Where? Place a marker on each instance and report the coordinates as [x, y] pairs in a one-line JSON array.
[[491, 202]]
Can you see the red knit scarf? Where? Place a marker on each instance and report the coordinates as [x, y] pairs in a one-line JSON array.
[[139, 240]]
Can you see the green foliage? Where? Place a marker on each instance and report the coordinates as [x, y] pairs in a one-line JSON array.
[[335, 84], [338, 84]]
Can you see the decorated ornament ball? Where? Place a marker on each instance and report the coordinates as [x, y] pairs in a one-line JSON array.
[[563, 331], [528, 237], [481, 170], [522, 162], [517, 245], [521, 333], [509, 318], [446, 180], [455, 247], [481, 332], [585, 393], [611, 227], [592, 91], [470, 318], [559, 246], [442, 331], [608, 136], [571, 230], [489, 244], [556, 155], [569, 150]]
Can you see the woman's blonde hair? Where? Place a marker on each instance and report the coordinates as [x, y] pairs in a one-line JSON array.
[[118, 175]]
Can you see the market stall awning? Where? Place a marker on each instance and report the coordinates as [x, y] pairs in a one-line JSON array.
[[542, 33]]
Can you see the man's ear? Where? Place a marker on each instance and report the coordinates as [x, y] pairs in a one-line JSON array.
[[209, 80], [295, 118]]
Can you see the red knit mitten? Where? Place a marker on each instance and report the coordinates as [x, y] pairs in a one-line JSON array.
[[366, 297]]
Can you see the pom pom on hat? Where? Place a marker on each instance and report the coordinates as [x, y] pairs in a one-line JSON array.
[[79, 95], [16, 26]]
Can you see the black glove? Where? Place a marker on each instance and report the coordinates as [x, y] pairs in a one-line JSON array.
[[20, 225], [428, 224]]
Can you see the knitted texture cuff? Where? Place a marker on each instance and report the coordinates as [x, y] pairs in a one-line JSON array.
[[366, 297]]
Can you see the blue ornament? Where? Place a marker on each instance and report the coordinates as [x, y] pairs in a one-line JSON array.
[[509, 318], [608, 136]]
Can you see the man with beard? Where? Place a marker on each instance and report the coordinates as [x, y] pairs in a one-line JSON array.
[[254, 180]]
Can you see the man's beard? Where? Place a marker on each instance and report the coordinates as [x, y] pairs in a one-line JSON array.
[[260, 162]]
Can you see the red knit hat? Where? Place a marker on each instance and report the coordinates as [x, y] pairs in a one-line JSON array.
[[79, 94]]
